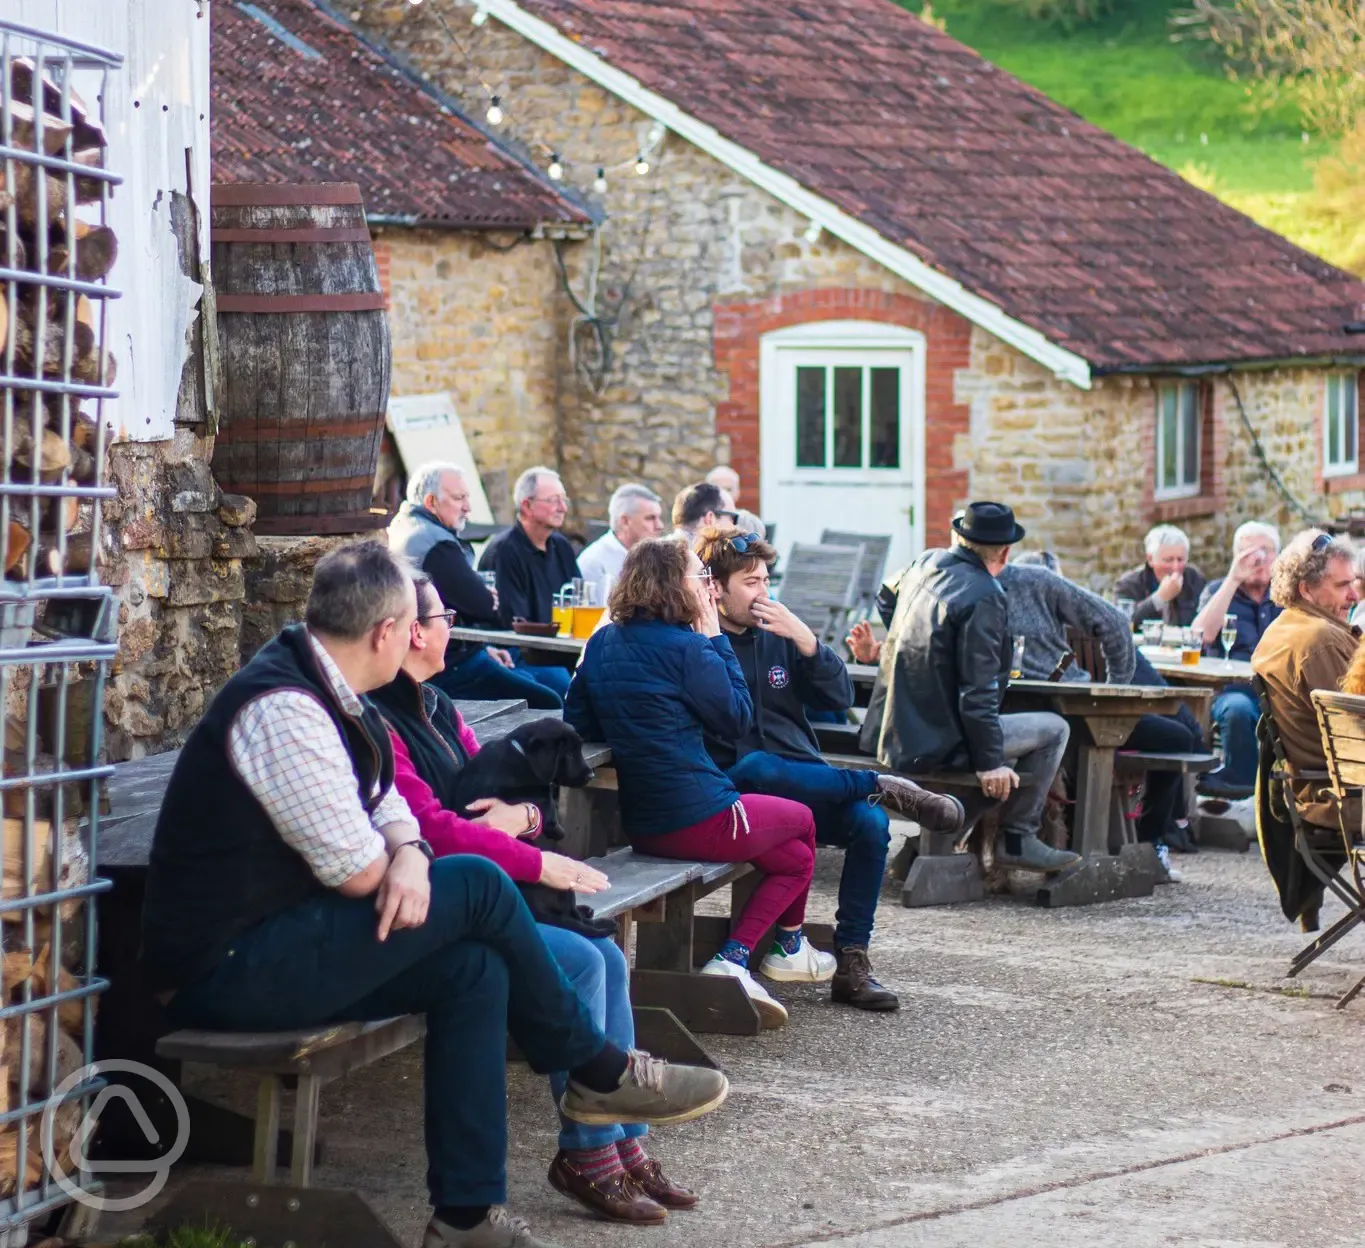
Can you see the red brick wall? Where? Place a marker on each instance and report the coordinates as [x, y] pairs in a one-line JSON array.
[[739, 327], [381, 259]]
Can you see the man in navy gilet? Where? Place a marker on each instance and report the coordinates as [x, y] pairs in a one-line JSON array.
[[289, 887]]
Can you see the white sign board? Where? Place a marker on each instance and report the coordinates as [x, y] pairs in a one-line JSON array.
[[426, 427], [156, 115]]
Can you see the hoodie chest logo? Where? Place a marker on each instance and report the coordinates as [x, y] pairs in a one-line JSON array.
[[778, 677]]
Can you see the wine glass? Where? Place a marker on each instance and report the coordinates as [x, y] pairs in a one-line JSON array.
[[1229, 635]]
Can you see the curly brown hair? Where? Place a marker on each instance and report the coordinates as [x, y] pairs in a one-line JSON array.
[[716, 549], [1299, 564], [653, 584]]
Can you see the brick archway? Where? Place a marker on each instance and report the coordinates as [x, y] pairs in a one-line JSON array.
[[739, 329]]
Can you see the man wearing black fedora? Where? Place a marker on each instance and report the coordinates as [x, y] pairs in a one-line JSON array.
[[936, 704]]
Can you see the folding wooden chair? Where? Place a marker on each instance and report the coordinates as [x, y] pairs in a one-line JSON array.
[[820, 586], [1089, 653], [875, 552], [1341, 716], [1304, 839]]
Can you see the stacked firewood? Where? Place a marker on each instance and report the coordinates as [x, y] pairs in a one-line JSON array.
[[51, 334], [46, 332]]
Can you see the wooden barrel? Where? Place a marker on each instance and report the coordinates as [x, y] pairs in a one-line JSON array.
[[304, 342]]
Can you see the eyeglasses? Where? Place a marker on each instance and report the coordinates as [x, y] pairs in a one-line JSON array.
[[731, 516], [447, 616], [552, 498], [703, 575], [1322, 542], [744, 542]]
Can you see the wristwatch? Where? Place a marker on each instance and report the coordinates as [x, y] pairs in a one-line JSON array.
[[422, 845]]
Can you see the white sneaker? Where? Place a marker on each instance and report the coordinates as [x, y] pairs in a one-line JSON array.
[[771, 1011], [806, 966], [1163, 857]]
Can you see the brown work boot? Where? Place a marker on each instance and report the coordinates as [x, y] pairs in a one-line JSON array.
[[853, 983], [935, 812], [649, 1177], [616, 1197]]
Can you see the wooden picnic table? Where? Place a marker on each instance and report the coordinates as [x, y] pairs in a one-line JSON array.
[[503, 638], [1102, 718]]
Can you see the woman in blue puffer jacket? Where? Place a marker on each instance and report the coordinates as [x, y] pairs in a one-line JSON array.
[[650, 684]]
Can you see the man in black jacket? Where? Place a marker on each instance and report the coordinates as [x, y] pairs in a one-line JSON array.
[[426, 532], [788, 670], [936, 703]]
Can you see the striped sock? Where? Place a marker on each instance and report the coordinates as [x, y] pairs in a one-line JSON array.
[[733, 951], [631, 1153], [595, 1163]]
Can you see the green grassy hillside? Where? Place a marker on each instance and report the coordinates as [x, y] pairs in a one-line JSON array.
[[1172, 100]]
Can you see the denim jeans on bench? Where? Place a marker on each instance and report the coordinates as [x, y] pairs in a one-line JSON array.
[[477, 968], [482, 678], [838, 800], [598, 972]]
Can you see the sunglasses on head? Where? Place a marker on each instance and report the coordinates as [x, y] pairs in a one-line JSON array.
[[744, 542], [1322, 542]]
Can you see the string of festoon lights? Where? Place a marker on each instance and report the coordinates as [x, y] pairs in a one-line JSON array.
[[495, 114]]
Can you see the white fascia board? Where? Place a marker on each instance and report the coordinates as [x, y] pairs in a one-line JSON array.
[[946, 290]]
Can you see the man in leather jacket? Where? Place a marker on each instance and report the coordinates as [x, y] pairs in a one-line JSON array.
[[936, 704]]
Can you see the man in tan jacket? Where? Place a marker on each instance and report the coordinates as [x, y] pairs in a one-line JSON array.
[[1308, 647]]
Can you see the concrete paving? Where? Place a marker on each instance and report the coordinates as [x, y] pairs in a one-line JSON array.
[[1131, 1074]]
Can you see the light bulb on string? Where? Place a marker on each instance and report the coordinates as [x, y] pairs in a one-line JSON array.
[[495, 113], [641, 165], [555, 168], [599, 183], [480, 15]]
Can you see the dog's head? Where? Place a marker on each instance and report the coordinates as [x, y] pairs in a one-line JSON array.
[[553, 751]]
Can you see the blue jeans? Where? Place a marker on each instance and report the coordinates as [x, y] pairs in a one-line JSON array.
[[598, 972], [555, 679], [481, 677], [1235, 712], [477, 968], [838, 800]]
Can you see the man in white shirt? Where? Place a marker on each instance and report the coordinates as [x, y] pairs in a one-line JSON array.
[[636, 513]]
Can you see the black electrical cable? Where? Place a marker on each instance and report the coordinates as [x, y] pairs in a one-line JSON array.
[[1275, 479]]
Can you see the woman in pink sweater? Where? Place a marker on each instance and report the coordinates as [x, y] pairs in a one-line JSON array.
[[604, 1168]]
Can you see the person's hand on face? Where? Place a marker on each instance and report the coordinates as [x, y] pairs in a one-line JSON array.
[[1170, 587], [1247, 564], [864, 647], [774, 618]]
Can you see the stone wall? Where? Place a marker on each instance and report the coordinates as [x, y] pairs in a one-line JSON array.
[[477, 315], [693, 258]]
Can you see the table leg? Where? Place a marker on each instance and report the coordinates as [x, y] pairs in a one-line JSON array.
[[1094, 780]]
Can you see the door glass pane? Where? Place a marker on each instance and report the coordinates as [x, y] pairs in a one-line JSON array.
[[885, 451], [848, 418], [1189, 403], [1170, 441], [810, 417]]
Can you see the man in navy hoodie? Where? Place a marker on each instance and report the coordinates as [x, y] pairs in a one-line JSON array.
[[788, 670]]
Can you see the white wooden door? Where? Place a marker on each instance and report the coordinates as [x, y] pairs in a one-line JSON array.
[[842, 433]]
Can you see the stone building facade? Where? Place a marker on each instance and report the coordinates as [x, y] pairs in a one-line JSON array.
[[696, 263]]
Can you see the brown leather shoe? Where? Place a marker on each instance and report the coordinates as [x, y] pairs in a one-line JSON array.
[[615, 1198], [854, 984], [649, 1177]]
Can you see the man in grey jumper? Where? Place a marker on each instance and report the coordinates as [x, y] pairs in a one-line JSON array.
[[1040, 604]]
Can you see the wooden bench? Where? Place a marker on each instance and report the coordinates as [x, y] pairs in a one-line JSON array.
[[669, 1001], [1132, 766]]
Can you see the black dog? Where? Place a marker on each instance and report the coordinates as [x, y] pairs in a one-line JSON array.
[[526, 766]]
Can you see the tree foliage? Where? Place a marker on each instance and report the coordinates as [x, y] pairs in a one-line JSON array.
[[1312, 50], [1067, 13]]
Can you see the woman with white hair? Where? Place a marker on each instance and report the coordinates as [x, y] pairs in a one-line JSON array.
[[1167, 586]]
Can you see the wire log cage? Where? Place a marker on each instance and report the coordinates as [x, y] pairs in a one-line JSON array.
[[57, 622]]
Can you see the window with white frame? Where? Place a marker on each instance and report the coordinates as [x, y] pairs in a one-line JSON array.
[[1178, 428], [1340, 426]]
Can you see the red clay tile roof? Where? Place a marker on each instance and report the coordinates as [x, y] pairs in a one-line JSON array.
[[346, 115], [1063, 226]]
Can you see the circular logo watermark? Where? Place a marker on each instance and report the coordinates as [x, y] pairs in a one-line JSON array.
[[157, 1169]]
